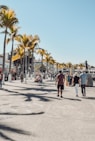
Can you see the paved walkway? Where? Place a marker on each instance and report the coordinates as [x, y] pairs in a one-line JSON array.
[[33, 112]]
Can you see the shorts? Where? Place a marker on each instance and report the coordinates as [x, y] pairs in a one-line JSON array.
[[82, 85], [60, 87]]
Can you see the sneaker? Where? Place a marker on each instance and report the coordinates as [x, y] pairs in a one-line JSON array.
[[58, 95], [61, 96]]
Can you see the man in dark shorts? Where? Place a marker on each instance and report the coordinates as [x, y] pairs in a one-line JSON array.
[[60, 83]]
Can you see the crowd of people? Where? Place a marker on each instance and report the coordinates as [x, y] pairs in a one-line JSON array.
[[62, 80], [75, 80]]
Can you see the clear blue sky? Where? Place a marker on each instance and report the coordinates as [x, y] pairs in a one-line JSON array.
[[66, 27]]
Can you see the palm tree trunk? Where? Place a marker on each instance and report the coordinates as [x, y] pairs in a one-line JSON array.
[[24, 62], [47, 67], [21, 61], [42, 60], [4, 51], [32, 64], [11, 56], [28, 60]]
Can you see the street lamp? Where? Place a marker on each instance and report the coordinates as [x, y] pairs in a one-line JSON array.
[[86, 65]]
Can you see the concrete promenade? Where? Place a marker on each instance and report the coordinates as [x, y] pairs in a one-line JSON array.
[[33, 112]]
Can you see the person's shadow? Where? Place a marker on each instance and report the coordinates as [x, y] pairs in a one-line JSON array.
[[90, 98]]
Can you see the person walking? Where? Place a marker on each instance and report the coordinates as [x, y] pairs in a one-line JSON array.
[[76, 83], [83, 82], [60, 83], [1, 78]]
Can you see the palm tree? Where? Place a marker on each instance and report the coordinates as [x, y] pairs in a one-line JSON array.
[[52, 62], [24, 44], [47, 59], [70, 66], [81, 65], [57, 66], [75, 66], [13, 34], [42, 52], [61, 65], [20, 55], [27, 42], [7, 20], [32, 45], [64, 65]]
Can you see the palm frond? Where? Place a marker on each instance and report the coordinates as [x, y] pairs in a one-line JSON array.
[[3, 7]]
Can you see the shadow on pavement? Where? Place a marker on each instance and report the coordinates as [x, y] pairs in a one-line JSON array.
[[29, 96], [38, 89], [40, 97], [9, 113], [90, 98], [9, 90], [11, 129], [73, 99]]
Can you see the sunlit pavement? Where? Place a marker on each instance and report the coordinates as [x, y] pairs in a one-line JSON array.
[[33, 112]]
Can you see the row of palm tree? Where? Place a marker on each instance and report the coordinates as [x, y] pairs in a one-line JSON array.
[[27, 42], [9, 24]]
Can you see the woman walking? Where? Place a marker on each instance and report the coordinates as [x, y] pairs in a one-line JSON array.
[[76, 83]]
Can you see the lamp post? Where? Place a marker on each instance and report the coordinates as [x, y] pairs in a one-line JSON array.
[[86, 65]]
